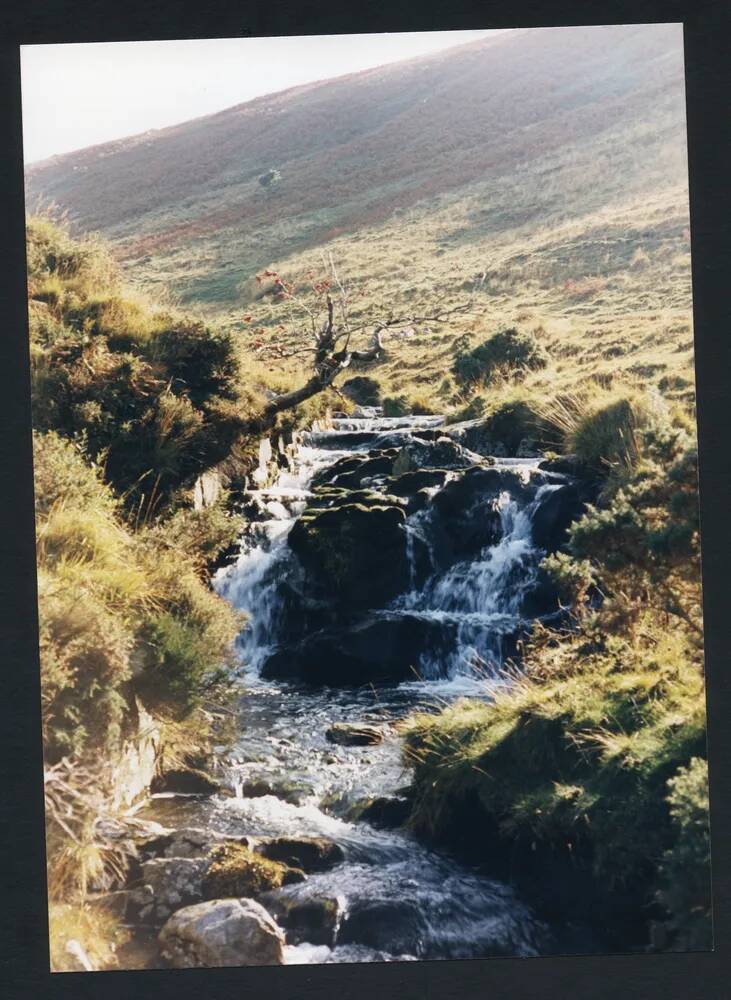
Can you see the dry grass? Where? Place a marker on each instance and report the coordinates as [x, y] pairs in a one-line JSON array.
[[576, 285]]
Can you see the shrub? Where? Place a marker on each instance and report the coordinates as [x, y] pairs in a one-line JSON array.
[[576, 755], [363, 390], [201, 362], [150, 393], [685, 888], [180, 664], [198, 534], [113, 604], [508, 350]]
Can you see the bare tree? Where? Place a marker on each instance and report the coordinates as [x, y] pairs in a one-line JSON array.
[[330, 342]]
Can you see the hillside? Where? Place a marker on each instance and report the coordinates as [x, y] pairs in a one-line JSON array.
[[553, 161]]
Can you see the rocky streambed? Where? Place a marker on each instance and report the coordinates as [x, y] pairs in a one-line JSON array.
[[389, 568]]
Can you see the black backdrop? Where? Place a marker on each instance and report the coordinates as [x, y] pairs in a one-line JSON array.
[[23, 931]]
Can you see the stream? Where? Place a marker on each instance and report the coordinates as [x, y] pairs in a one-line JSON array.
[[469, 584]]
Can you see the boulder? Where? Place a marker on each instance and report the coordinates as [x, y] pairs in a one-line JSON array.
[[185, 781], [222, 932], [354, 734], [353, 554], [466, 515], [174, 882], [309, 854]]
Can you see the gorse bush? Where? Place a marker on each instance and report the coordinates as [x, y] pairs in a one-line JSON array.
[[508, 352]]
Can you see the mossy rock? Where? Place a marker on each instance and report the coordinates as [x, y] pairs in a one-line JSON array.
[[237, 871], [354, 554]]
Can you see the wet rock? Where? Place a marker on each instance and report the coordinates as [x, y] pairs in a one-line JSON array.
[[352, 471], [467, 516], [354, 554], [174, 882], [222, 932], [287, 791], [410, 483], [310, 854], [386, 812], [383, 647], [336, 496], [354, 734], [235, 870], [567, 465], [443, 453], [313, 920], [186, 781], [554, 515], [396, 927]]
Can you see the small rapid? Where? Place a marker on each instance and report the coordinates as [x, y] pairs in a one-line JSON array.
[[396, 898]]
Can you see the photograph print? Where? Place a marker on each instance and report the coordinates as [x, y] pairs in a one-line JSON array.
[[366, 498]]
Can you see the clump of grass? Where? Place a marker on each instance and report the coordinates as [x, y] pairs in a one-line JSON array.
[[395, 406], [601, 426]]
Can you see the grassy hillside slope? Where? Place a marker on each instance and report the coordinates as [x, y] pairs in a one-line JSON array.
[[475, 132]]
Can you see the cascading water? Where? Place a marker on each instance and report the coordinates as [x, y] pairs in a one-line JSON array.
[[396, 899]]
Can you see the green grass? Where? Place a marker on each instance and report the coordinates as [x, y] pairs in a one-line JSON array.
[[593, 750]]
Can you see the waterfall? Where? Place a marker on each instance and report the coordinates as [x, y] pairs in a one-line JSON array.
[[482, 596], [475, 602]]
